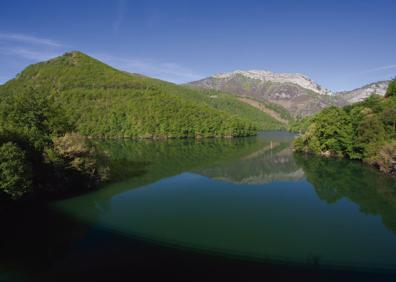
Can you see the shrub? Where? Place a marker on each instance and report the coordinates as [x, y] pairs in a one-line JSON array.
[[385, 159], [74, 152]]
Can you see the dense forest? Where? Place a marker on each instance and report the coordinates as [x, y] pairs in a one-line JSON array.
[[364, 131]]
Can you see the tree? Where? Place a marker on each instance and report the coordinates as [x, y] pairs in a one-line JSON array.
[[15, 171], [370, 135], [389, 118], [329, 133], [391, 91], [373, 102], [32, 117]]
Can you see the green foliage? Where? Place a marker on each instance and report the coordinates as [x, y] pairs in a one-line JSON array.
[[369, 136], [32, 117], [391, 91], [388, 115], [15, 171], [360, 131]]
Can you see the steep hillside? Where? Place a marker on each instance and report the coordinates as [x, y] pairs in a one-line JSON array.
[[295, 92], [100, 101], [277, 113]]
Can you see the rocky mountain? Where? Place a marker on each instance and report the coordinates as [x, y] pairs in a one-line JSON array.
[[297, 93], [294, 78], [362, 93]]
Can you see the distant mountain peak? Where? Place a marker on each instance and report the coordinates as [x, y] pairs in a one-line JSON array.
[[264, 75]]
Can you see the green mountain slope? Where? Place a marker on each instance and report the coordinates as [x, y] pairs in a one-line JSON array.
[[100, 101], [227, 102]]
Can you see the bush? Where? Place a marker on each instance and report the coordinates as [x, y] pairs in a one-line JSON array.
[[385, 159], [74, 152]]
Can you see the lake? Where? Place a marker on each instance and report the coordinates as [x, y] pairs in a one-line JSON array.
[[219, 208]]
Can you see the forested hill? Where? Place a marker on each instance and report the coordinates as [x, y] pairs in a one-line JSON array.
[[100, 101]]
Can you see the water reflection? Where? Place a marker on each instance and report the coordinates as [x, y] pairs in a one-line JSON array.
[[254, 160], [256, 197], [250, 198], [274, 162], [333, 180]]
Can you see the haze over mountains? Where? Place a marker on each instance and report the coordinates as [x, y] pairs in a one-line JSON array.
[[297, 93]]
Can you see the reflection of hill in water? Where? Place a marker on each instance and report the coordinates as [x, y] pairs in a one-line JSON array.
[[138, 163], [333, 179], [248, 160], [271, 163]]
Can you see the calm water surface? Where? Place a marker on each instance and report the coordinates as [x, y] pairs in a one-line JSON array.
[[207, 202]]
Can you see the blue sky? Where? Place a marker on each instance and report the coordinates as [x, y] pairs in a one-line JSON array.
[[340, 44]]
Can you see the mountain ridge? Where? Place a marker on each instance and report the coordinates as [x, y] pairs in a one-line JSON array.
[[265, 75], [296, 92]]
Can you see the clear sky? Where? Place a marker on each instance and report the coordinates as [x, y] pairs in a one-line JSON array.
[[340, 44]]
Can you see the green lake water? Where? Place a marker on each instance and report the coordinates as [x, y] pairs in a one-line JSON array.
[[211, 201]]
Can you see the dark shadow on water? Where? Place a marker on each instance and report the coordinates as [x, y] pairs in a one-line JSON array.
[[47, 246], [334, 179]]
